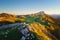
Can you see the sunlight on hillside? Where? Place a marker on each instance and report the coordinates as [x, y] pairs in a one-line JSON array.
[[42, 25], [37, 29]]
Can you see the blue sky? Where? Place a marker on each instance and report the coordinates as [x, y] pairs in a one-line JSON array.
[[30, 6]]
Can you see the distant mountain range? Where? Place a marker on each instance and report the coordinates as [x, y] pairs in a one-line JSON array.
[[40, 27], [56, 15]]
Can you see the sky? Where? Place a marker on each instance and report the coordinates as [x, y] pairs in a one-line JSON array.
[[30, 6]]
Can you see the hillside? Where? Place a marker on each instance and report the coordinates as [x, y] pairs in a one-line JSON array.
[[7, 17], [41, 25]]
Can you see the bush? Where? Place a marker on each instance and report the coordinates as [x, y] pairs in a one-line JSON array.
[[18, 21]]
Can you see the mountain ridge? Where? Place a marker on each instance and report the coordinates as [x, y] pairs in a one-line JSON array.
[[40, 23]]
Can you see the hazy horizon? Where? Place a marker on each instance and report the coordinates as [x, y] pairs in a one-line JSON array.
[[29, 6]]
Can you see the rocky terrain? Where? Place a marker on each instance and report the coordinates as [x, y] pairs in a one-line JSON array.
[[17, 31]]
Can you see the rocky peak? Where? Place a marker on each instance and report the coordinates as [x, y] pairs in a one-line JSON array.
[[40, 13]]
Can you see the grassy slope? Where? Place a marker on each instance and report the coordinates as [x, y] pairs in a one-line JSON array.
[[44, 26]]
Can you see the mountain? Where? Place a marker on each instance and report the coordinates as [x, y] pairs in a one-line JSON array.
[[56, 15], [40, 25], [46, 21]]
